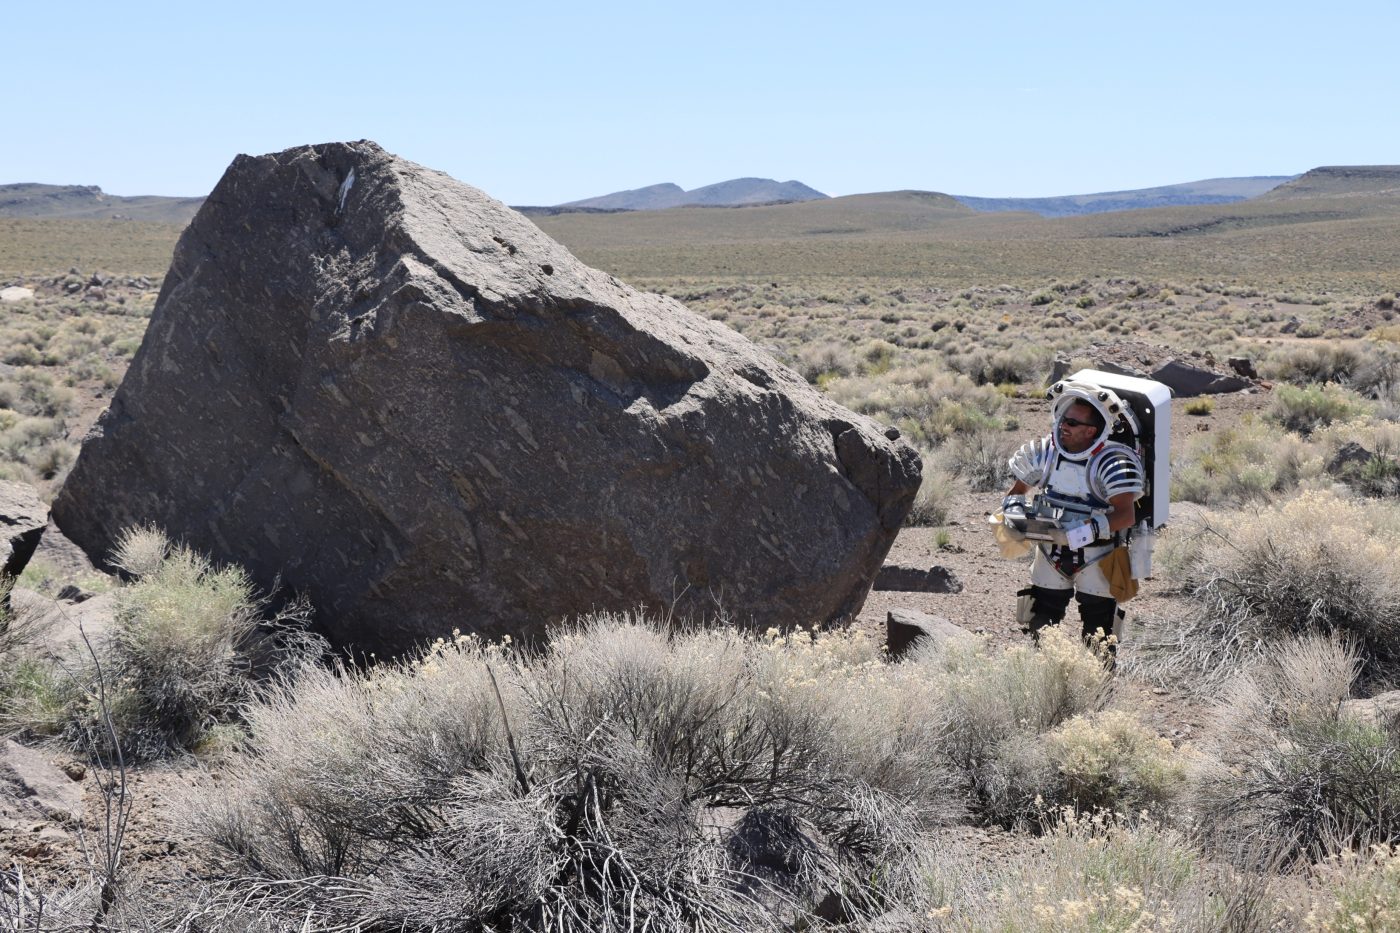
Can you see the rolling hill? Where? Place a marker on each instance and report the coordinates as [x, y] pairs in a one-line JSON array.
[[89, 202], [1207, 191], [1333, 180]]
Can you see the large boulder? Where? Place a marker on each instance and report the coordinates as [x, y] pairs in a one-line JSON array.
[[420, 411]]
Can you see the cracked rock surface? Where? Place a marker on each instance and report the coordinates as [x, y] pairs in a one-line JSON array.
[[417, 409]]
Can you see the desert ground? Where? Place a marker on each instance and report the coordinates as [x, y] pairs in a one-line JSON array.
[[1236, 770]]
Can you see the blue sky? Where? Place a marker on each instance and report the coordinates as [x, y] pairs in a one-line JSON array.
[[539, 103]]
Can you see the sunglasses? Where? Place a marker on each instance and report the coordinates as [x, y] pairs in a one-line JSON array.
[[1076, 423]]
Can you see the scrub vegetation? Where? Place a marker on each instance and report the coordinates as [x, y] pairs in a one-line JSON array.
[[636, 773]]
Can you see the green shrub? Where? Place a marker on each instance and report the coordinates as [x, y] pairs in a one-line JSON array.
[[1306, 408], [1357, 892], [33, 698], [1251, 461], [180, 660]]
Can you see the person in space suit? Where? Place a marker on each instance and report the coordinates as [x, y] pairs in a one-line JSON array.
[[1093, 484]]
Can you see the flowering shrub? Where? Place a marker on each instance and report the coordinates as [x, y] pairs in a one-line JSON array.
[[1109, 760]]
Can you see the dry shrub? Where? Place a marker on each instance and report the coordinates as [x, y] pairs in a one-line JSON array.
[[925, 401], [1356, 892], [1023, 364], [1251, 461], [628, 775], [934, 501], [996, 709], [1315, 564], [980, 457], [1108, 760], [1097, 872], [1284, 767], [1362, 365], [633, 773]]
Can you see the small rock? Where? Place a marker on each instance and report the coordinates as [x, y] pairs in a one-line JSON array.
[[30, 781], [73, 594], [1243, 366], [1350, 454], [905, 628]]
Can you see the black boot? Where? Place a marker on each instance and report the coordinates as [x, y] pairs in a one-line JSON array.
[[1098, 615], [1047, 608]]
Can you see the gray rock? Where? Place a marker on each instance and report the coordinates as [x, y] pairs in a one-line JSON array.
[[67, 560], [30, 782], [1243, 366], [16, 293], [1058, 370], [424, 414], [905, 628], [1187, 381], [23, 516], [59, 624], [917, 579], [1381, 710], [1350, 456]]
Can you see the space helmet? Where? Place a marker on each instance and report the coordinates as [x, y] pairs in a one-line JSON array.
[[1117, 414]]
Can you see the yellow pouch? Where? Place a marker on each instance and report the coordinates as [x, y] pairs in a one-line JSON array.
[[1118, 570], [1011, 543]]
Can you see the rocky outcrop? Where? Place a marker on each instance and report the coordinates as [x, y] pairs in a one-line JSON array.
[[23, 516], [423, 413], [1187, 380]]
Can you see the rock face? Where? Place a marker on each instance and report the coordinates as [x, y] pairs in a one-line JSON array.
[[23, 517], [424, 414]]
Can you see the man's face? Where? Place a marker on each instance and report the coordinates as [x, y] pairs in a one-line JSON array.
[[1078, 428]]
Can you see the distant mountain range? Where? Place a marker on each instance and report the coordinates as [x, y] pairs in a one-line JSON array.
[[89, 202], [736, 192], [1208, 191]]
